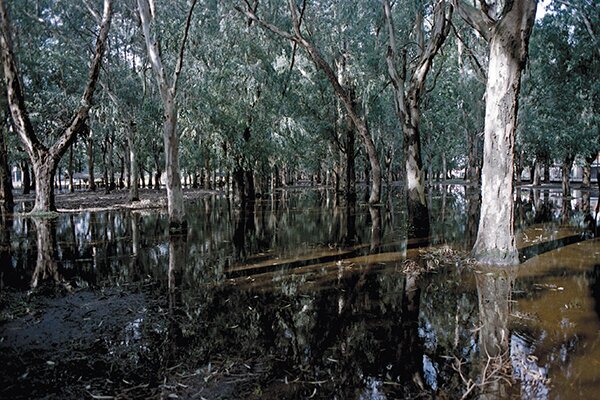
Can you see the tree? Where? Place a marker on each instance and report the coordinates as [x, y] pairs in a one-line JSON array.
[[168, 93], [6, 196], [408, 85], [344, 95], [561, 92], [45, 159], [507, 27]]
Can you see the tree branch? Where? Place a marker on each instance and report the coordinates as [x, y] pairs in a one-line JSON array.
[[440, 30], [153, 51], [481, 73], [81, 115], [179, 64], [275, 29], [14, 91], [478, 19], [391, 58]]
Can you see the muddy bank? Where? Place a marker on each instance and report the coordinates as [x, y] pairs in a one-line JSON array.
[[117, 199], [72, 345]]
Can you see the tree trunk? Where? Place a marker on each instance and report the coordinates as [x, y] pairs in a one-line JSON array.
[[71, 185], [44, 169], [168, 91], [537, 173], [142, 177], [238, 185], [547, 164], [566, 175], [418, 213], [519, 169], [444, 167], [134, 192], [26, 182], [90, 153], [250, 189], [111, 163], [350, 178], [508, 45], [207, 174], [389, 158], [408, 87], [57, 179], [121, 172], [6, 196], [44, 159], [586, 181]]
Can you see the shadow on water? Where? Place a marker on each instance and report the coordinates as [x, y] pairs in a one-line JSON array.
[[297, 297]]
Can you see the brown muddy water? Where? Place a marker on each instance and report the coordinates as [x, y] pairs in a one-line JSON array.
[[295, 297]]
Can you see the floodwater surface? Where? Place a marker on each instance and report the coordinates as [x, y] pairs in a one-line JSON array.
[[297, 297]]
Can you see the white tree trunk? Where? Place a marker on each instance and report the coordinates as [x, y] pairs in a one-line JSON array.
[[508, 38], [496, 237], [134, 192], [44, 159], [168, 91], [174, 191]]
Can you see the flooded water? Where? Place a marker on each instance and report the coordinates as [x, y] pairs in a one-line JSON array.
[[295, 297]]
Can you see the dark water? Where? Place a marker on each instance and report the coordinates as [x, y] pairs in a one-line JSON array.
[[296, 297]]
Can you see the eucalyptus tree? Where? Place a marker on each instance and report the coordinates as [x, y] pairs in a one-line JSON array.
[[6, 196], [300, 36], [168, 93], [408, 86], [562, 90], [125, 56], [231, 128], [45, 159], [453, 110], [507, 26]]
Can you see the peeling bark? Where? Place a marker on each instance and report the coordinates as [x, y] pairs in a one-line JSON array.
[[508, 46]]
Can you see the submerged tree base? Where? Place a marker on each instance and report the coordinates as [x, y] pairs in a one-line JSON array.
[[496, 257], [178, 228], [43, 214]]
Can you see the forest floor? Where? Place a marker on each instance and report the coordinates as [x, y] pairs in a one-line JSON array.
[[150, 198], [117, 199]]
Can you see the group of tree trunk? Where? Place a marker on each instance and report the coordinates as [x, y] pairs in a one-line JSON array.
[[45, 159], [506, 26]]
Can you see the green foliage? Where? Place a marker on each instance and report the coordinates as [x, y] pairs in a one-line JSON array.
[[561, 90], [238, 76]]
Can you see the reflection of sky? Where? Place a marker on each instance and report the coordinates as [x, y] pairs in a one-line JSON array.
[[372, 390], [533, 378], [430, 372]]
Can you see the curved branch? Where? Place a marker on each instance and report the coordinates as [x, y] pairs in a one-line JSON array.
[[179, 65], [478, 19], [14, 91], [68, 136]]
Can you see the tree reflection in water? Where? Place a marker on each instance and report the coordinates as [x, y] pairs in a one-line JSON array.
[[494, 290], [46, 267], [5, 257], [318, 305]]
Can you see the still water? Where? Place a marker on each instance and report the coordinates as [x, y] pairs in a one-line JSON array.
[[297, 297]]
